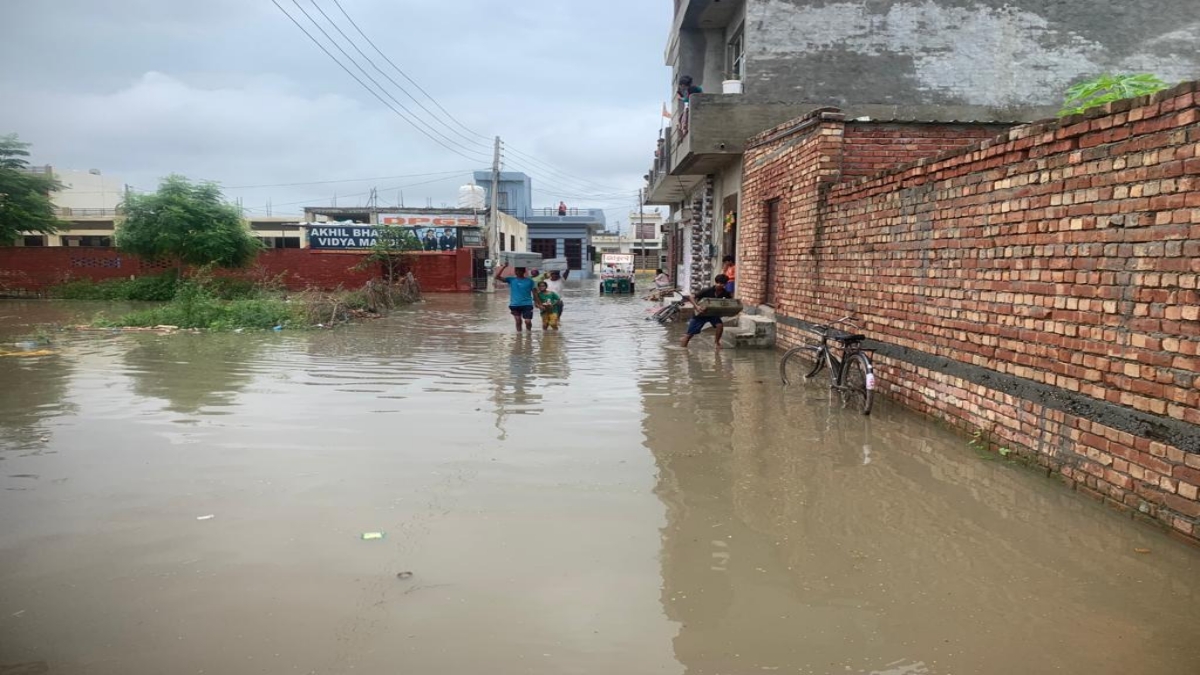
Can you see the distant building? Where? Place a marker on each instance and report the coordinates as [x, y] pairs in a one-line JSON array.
[[88, 205], [550, 234]]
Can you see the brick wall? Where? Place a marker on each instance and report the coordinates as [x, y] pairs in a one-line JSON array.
[[1041, 285], [34, 270], [872, 147]]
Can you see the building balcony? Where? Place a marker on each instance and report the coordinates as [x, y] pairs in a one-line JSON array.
[[709, 136]]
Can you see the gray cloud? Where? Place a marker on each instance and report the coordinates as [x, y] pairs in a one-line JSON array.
[[230, 90]]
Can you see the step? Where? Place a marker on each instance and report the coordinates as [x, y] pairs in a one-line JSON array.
[[749, 332]]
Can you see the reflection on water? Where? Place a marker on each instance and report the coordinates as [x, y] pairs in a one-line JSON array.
[[800, 537], [192, 372], [594, 501]]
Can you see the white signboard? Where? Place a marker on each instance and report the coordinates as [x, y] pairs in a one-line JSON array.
[[617, 259]]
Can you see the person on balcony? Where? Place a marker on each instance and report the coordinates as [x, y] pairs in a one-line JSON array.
[[686, 89], [562, 208]]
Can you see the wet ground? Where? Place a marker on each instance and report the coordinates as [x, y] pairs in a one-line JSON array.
[[594, 501]]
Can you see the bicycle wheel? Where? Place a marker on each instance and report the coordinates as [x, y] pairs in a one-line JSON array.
[[800, 363], [858, 382]]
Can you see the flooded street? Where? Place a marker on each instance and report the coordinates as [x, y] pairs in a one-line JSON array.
[[595, 501]]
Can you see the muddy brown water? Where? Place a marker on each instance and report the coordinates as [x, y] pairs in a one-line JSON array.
[[595, 501]]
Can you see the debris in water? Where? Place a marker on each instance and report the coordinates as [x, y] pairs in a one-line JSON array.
[[369, 536], [1141, 550], [277, 328], [404, 575], [208, 517], [18, 614], [45, 439]]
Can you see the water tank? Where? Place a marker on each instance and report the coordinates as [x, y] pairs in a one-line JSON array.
[[471, 197]]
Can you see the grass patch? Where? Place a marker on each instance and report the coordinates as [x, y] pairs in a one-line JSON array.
[[208, 303], [161, 288]]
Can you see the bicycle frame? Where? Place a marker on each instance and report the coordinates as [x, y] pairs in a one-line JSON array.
[[853, 358]]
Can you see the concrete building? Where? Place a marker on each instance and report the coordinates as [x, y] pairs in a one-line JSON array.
[[648, 239], [551, 234], [611, 242], [897, 60], [87, 204]]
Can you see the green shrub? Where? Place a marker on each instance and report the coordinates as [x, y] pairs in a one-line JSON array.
[[195, 306], [149, 289], [1106, 89]]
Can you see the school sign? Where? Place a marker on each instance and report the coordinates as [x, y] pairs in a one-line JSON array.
[[425, 232]]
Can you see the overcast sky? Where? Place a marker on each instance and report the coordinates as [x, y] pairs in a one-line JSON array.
[[232, 91]]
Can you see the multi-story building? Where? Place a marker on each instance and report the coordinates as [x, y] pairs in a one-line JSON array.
[[648, 242], [552, 233], [763, 62], [87, 204]]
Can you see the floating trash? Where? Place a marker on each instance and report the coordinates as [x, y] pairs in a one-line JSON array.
[[369, 536], [208, 517]]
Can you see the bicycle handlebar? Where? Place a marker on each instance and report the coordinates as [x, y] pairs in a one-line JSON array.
[[848, 320]]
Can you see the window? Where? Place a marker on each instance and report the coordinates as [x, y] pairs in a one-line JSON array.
[[547, 248], [88, 241], [736, 50], [500, 238], [573, 248], [34, 240], [280, 242], [512, 242]]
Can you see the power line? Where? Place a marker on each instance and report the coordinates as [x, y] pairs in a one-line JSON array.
[[550, 168], [544, 166], [389, 78], [364, 85], [405, 76], [368, 75], [345, 180], [360, 194]]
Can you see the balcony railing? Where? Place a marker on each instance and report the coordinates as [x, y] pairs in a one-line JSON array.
[[553, 211], [70, 212]]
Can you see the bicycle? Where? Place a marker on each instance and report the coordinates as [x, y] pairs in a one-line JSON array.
[[853, 375], [668, 313]]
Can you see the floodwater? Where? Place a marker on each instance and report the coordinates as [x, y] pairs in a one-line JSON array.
[[595, 501]]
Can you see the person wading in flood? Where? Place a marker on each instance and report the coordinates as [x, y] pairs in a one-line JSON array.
[[520, 296], [717, 290]]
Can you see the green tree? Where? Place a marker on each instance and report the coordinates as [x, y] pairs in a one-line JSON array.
[[391, 245], [24, 197], [1108, 88], [189, 223]]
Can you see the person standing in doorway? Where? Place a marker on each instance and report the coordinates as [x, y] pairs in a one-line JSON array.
[[730, 271], [520, 296], [699, 321], [562, 208]]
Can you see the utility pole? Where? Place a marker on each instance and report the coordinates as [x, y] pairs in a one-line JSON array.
[[641, 223], [494, 218]]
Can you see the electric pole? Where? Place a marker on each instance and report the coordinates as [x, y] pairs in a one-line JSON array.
[[494, 218], [641, 225]]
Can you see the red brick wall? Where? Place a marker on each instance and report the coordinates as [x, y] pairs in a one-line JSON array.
[[1041, 286], [872, 147], [34, 270]]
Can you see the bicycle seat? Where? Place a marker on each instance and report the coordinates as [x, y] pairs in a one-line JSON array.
[[844, 337]]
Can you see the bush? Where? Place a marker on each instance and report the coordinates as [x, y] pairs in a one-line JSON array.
[[195, 306], [149, 289]]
